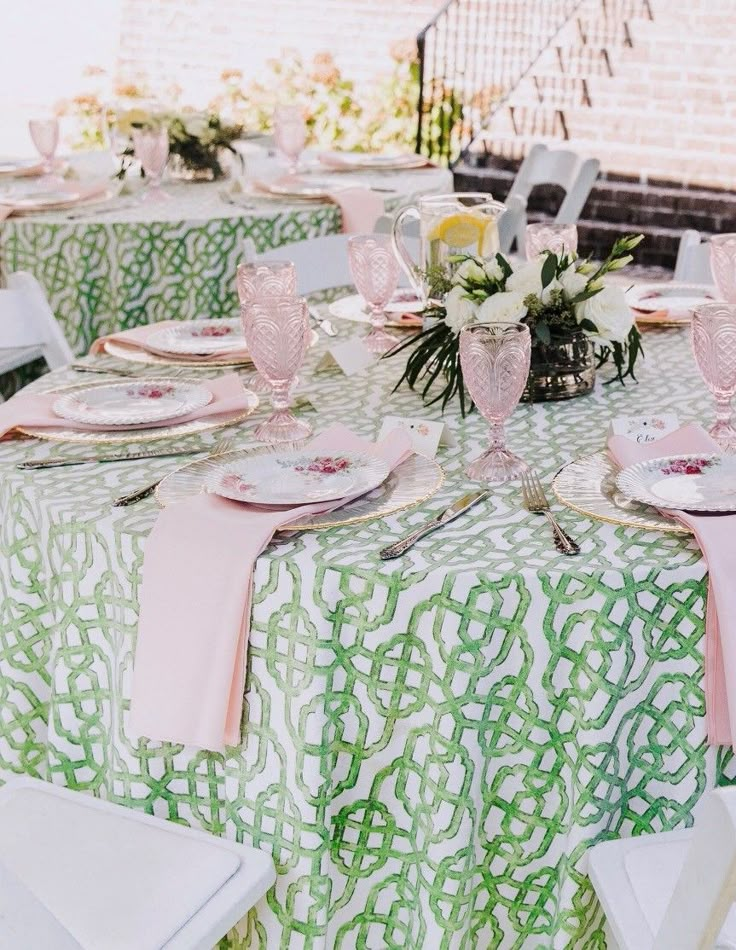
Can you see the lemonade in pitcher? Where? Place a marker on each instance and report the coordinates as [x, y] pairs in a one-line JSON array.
[[462, 223]]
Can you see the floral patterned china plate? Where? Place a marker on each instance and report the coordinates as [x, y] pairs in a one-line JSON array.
[[683, 482], [668, 304], [297, 477], [200, 337], [132, 403]]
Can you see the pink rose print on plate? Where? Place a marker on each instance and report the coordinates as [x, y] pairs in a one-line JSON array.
[[213, 331], [150, 391], [687, 466], [233, 482], [323, 465]]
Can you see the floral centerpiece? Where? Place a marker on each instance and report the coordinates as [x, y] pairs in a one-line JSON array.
[[577, 321], [197, 140]]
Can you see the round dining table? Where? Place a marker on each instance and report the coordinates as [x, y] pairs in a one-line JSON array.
[[429, 744], [123, 261]]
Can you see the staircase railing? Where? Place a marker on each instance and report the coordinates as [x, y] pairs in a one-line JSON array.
[[471, 55]]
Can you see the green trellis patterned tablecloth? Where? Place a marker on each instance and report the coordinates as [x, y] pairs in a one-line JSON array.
[[129, 263], [429, 744]]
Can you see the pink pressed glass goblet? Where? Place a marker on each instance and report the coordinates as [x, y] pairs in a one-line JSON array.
[[558, 238], [375, 271], [45, 136], [723, 265], [495, 363], [277, 335], [267, 279], [714, 346], [151, 147], [290, 133]]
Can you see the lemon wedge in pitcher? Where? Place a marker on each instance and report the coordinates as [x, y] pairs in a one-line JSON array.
[[461, 230]]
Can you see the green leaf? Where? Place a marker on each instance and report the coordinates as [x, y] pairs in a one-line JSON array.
[[541, 331], [549, 270]]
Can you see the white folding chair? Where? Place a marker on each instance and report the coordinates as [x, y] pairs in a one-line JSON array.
[[28, 327], [693, 259], [544, 166], [111, 877], [672, 890], [321, 262]]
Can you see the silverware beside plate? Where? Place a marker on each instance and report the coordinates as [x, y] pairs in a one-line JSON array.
[[536, 502], [457, 508]]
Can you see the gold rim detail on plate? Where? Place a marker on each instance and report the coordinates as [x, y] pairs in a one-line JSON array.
[[153, 359], [411, 483], [174, 431], [588, 486]]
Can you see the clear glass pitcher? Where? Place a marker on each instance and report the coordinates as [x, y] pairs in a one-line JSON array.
[[461, 223]]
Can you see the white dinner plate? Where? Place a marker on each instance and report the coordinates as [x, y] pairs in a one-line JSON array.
[[292, 186], [671, 302], [43, 200], [297, 477], [683, 482], [132, 403], [364, 161], [354, 308], [200, 337]]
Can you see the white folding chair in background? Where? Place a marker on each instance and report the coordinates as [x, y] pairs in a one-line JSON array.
[[570, 171], [28, 328], [693, 259], [110, 878], [673, 890]]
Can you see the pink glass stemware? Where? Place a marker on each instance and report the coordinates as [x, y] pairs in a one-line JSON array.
[[290, 133], [723, 265], [714, 346], [151, 147], [375, 271], [265, 279], [277, 335], [558, 238], [495, 361], [45, 136]]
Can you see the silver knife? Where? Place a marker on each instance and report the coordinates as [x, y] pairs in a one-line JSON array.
[[91, 459], [449, 514]]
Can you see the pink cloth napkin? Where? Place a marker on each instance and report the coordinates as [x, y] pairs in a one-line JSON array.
[[85, 192], [360, 208], [137, 339], [194, 621], [34, 409], [716, 535]]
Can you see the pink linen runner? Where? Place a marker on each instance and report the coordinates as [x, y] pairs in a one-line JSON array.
[[716, 535], [34, 409], [137, 339], [85, 192], [189, 675]]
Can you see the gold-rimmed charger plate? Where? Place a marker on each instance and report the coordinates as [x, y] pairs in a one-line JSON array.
[[410, 483], [127, 436], [588, 486], [75, 203]]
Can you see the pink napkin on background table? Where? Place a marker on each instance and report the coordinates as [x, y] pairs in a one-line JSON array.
[[137, 339], [716, 535], [190, 657], [34, 409], [85, 192], [360, 208]]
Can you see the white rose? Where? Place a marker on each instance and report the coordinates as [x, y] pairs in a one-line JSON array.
[[573, 282], [609, 313], [460, 310], [471, 271], [527, 279], [505, 307], [493, 269], [195, 125]]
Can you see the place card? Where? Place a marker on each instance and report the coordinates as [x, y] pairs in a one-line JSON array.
[[644, 428], [351, 356], [426, 436]]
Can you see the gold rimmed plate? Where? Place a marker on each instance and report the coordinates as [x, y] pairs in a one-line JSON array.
[[410, 483], [588, 486]]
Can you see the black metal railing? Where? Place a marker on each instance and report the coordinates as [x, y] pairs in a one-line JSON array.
[[471, 56]]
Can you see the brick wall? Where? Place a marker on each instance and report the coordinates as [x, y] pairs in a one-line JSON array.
[[192, 41]]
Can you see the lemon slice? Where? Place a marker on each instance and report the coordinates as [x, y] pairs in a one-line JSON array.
[[460, 230]]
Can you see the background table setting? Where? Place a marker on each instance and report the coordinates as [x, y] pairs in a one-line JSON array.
[[426, 738]]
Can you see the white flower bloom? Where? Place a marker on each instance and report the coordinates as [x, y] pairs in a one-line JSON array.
[[610, 314], [470, 271], [493, 269], [573, 282], [527, 279], [195, 124], [502, 308], [460, 310]]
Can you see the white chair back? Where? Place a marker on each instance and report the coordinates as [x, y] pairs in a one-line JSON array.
[[28, 327], [321, 262], [512, 223], [693, 259], [706, 887]]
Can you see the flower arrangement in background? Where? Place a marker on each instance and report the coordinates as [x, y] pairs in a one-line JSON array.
[[560, 298]]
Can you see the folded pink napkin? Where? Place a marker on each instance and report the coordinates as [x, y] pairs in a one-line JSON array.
[[716, 535], [84, 193], [360, 207], [138, 339], [194, 617], [34, 409]]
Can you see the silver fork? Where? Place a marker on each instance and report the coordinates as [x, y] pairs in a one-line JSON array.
[[225, 445], [536, 502]]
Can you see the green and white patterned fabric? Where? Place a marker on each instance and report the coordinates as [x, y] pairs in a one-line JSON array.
[[135, 263], [429, 744]]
